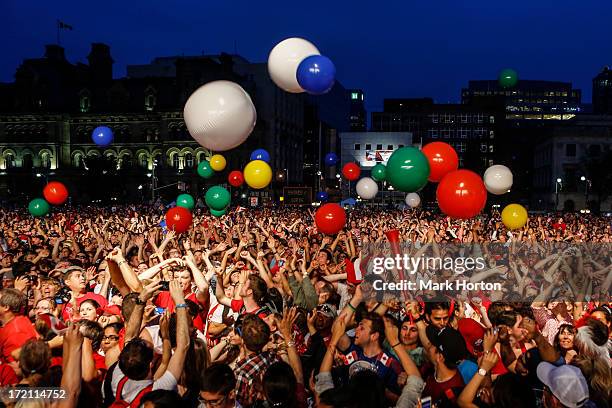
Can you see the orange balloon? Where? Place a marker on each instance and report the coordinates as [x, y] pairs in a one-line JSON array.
[[442, 159], [461, 194], [55, 193]]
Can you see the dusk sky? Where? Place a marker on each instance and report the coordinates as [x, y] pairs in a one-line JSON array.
[[388, 48]]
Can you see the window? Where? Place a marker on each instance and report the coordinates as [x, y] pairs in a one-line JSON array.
[[45, 160], [354, 96], [84, 104], [491, 119], [479, 118], [389, 147], [188, 160], [463, 118], [143, 161], [490, 148], [175, 160], [379, 147], [461, 147], [9, 160], [483, 148], [464, 133], [150, 101], [491, 134], [570, 150], [357, 146], [368, 146], [434, 118], [432, 134]]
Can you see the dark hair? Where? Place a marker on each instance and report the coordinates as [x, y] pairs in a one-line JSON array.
[[162, 399], [218, 379], [606, 313], [507, 318], [280, 385], [22, 268], [364, 390], [135, 359], [436, 304], [513, 391], [93, 331], [255, 333], [13, 299], [196, 361], [117, 326], [495, 310], [259, 288], [35, 358], [378, 325], [562, 328]]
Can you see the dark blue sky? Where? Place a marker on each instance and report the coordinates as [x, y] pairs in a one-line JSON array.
[[408, 48]]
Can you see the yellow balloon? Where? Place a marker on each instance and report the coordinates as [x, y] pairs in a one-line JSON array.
[[217, 162], [514, 216], [258, 174]]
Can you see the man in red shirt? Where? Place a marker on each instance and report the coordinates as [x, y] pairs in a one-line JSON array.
[[16, 329], [74, 278]]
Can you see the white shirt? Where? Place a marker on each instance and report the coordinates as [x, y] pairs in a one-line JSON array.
[[132, 387]]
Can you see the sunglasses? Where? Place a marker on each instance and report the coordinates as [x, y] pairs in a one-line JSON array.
[[111, 337]]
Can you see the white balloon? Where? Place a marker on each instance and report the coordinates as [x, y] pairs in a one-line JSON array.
[[498, 179], [367, 188], [284, 60], [413, 200], [220, 115]]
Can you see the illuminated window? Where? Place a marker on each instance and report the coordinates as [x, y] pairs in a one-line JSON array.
[[188, 160], [354, 95]]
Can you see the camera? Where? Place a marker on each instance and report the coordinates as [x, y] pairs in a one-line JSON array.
[[165, 285], [63, 295]]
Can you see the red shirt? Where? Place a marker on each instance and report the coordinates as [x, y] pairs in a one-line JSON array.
[[449, 389], [7, 375], [67, 311], [14, 335], [164, 299]]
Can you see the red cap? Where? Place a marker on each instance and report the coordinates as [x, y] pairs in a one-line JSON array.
[[112, 310]]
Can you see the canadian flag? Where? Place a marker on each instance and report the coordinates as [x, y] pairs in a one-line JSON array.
[[350, 358], [385, 359]]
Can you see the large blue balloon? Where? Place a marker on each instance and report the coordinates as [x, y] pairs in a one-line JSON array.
[[260, 154], [316, 74], [102, 136], [322, 196], [331, 159]]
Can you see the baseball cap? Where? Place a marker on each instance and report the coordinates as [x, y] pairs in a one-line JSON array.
[[327, 309], [473, 334], [566, 383], [111, 310], [451, 344]]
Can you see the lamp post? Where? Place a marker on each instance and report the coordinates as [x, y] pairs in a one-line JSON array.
[[587, 186], [558, 187]]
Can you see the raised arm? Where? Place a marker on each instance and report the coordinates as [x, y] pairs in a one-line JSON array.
[[177, 361]]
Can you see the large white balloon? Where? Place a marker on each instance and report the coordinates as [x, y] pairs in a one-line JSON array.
[[220, 115], [284, 59], [367, 188], [413, 200], [498, 179]]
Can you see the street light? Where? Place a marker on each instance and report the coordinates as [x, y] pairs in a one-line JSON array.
[[558, 187], [337, 175]]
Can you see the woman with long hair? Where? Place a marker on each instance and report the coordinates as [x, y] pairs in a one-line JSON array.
[[564, 342]]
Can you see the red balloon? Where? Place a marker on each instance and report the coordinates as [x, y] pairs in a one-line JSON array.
[[179, 219], [442, 159], [235, 178], [55, 193], [461, 194], [330, 218], [351, 171]]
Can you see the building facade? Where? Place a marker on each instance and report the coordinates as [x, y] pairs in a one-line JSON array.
[[47, 116], [602, 92], [529, 100], [573, 166], [358, 114]]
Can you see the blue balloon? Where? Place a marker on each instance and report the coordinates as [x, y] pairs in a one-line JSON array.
[[322, 196], [331, 159], [260, 154], [102, 136], [316, 74]]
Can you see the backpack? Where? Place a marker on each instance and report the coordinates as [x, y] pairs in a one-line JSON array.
[[119, 402]]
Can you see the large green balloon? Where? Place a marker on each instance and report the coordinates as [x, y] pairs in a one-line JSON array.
[[407, 169], [185, 201], [508, 78], [38, 207], [379, 172], [204, 170], [219, 213], [217, 198]]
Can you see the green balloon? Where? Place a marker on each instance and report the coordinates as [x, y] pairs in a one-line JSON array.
[[407, 169], [38, 207], [185, 201], [204, 170], [219, 213], [217, 198], [508, 78], [379, 172]]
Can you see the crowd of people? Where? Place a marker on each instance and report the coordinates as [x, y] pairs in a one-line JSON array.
[[258, 309]]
